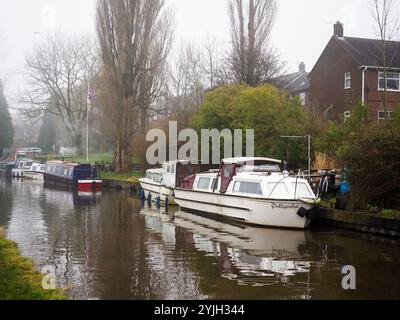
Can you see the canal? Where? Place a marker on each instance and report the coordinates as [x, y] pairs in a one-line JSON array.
[[106, 246]]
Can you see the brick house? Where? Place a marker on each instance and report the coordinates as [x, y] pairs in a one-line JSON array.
[[351, 70], [295, 84]]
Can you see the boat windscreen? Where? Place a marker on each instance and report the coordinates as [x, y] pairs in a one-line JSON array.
[[265, 167], [86, 173]]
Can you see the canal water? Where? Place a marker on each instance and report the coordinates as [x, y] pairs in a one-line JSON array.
[[106, 246]]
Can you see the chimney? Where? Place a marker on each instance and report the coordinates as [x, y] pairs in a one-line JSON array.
[[338, 29], [302, 67]]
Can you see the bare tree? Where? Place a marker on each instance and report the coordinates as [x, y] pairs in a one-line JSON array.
[[252, 59], [213, 63], [186, 80], [386, 28], [59, 72], [27, 131], [135, 38]]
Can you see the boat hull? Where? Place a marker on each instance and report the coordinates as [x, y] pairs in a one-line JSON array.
[[157, 190], [82, 184], [50, 178], [249, 210], [18, 173], [34, 175]]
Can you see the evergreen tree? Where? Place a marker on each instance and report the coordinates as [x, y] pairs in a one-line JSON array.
[[6, 126], [47, 134]]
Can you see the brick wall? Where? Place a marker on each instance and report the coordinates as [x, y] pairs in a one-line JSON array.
[[327, 81]]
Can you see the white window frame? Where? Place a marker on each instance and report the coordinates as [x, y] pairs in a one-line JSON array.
[[387, 113], [347, 77], [236, 187], [205, 178], [381, 76]]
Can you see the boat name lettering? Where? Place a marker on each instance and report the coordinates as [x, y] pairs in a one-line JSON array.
[[284, 206]]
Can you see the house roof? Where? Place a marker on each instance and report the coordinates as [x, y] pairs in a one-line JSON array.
[[293, 82], [368, 52]]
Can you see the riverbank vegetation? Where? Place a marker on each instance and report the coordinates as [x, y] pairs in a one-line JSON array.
[[130, 176], [19, 279]]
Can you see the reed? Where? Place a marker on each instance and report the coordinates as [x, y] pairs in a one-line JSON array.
[[323, 162]]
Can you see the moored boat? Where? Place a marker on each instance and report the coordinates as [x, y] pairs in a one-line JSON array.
[[21, 166], [158, 184], [252, 191], [85, 176], [36, 171]]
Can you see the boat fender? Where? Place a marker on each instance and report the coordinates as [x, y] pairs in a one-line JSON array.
[[166, 201], [149, 199], [173, 193], [158, 202], [309, 214], [142, 194], [302, 212]]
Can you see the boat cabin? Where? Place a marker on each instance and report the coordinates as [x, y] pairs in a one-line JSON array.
[[74, 172], [173, 173], [257, 185]]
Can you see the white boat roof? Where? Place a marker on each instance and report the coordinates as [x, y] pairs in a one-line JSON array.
[[158, 170], [249, 159]]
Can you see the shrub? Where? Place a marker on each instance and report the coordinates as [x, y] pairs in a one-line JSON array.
[[373, 156]]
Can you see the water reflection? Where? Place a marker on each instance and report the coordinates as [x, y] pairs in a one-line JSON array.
[[248, 256], [106, 246]]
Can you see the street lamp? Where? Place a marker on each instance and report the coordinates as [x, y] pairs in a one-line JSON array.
[[308, 137]]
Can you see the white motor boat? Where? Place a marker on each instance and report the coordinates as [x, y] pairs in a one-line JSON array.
[[252, 191], [159, 183], [36, 171], [22, 165]]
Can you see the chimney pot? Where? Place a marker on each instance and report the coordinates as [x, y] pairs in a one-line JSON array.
[[338, 29], [302, 67]]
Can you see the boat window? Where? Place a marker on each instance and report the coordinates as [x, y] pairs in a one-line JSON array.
[[203, 183], [302, 189], [277, 190], [247, 187], [84, 173], [157, 178], [66, 172]]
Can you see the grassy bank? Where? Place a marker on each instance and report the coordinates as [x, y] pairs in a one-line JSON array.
[[131, 177], [19, 279]]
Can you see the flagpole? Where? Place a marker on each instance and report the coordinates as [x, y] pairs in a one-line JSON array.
[[87, 127]]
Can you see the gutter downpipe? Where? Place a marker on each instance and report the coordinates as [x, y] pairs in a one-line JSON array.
[[364, 69]]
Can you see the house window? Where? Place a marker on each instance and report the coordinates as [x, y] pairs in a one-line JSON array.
[[302, 96], [392, 82], [347, 80], [382, 115]]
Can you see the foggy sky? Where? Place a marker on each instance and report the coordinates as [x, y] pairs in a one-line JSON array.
[[301, 32]]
